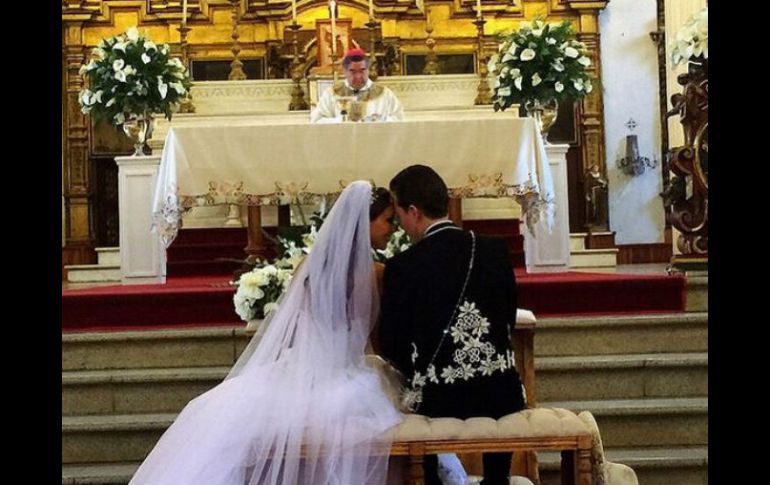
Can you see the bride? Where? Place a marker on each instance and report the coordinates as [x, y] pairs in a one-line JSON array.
[[301, 405]]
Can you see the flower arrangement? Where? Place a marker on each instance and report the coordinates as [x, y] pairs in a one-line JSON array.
[[398, 243], [259, 289], [129, 75], [692, 40], [539, 62]]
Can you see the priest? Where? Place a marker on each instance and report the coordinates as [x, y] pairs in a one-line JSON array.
[[358, 98]]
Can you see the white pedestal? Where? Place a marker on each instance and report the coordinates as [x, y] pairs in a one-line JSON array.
[[142, 255], [549, 251]]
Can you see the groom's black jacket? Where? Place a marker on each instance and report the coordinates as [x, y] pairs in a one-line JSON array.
[[421, 289]]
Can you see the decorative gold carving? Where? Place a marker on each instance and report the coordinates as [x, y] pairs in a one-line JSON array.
[[592, 137], [77, 204]]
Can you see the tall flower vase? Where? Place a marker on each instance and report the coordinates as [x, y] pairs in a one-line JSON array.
[[544, 113], [138, 128]]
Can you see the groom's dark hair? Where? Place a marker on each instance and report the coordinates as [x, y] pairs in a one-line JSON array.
[[422, 187]]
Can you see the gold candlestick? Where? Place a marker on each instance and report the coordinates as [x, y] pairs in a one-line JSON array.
[[236, 67], [484, 95], [297, 93], [372, 25], [187, 105], [431, 64]]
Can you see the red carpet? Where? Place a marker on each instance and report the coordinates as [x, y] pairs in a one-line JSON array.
[[195, 301], [211, 251]]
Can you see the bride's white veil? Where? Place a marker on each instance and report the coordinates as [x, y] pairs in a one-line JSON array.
[[300, 406], [335, 284]]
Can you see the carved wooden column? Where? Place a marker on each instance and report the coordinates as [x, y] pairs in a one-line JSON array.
[[77, 175], [592, 112], [687, 191]]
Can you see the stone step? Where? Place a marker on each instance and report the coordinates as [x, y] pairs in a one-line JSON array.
[[108, 256], [577, 241], [653, 466], [220, 346], [190, 347], [593, 258], [697, 292], [136, 390], [558, 378], [630, 334], [623, 423], [113, 438], [92, 273], [643, 422], [98, 474], [594, 377]]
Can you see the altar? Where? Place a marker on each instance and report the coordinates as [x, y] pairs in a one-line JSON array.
[[255, 164]]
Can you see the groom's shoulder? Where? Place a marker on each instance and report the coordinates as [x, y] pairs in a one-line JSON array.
[[402, 258]]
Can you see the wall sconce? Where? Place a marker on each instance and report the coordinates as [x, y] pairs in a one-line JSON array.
[[632, 164]]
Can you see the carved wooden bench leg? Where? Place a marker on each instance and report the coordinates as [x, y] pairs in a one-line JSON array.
[[568, 467], [584, 464], [415, 470]]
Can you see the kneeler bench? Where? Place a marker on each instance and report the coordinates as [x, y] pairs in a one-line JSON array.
[[552, 429]]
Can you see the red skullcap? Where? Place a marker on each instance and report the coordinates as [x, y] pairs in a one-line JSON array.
[[355, 52]]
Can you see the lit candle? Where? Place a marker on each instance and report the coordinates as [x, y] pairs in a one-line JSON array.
[[184, 13], [478, 8], [294, 10], [332, 5], [371, 9]]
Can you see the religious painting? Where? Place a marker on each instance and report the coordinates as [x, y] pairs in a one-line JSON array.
[[343, 31]]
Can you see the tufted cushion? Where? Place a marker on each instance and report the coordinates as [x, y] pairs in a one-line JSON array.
[[538, 422], [605, 472]]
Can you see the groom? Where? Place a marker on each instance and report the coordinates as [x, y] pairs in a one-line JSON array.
[[448, 308]]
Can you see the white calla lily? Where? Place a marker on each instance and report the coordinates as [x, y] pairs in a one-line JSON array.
[[578, 83], [527, 54], [584, 61], [517, 82], [120, 76], [146, 59], [558, 87], [133, 35], [118, 64], [571, 52], [178, 87], [536, 79]]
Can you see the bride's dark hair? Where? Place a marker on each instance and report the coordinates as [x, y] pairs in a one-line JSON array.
[[381, 200]]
